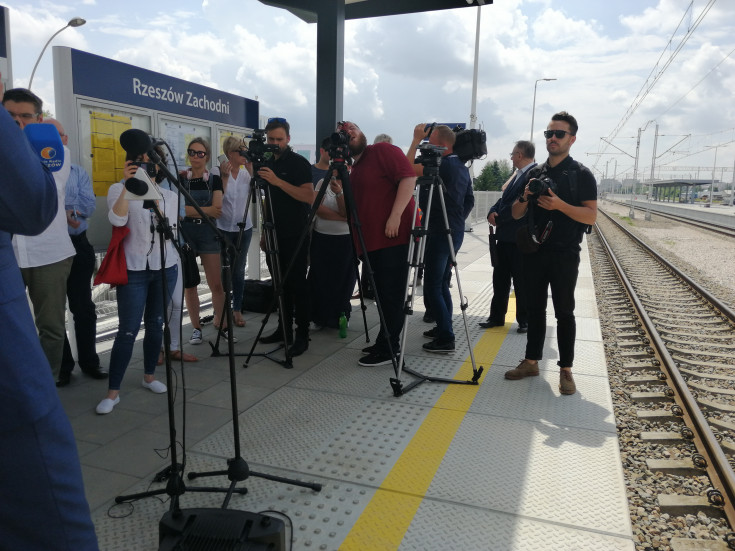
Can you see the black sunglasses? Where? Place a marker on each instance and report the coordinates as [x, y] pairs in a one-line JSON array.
[[195, 153], [277, 119], [558, 134]]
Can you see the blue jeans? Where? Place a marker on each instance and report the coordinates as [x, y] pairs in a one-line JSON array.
[[141, 296], [437, 273], [238, 269]]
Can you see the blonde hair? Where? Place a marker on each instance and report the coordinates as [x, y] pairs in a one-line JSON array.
[[231, 143]]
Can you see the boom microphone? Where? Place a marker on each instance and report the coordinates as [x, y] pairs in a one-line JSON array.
[[45, 140], [135, 142]]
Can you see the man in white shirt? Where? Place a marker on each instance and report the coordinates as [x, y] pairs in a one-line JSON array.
[[45, 260]]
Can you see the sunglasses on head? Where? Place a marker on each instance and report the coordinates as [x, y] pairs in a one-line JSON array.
[[277, 119], [558, 134], [195, 153]]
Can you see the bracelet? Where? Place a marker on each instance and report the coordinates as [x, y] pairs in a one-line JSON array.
[[522, 199], [340, 194]]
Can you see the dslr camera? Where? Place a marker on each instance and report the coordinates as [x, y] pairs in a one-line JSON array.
[[541, 186], [339, 146]]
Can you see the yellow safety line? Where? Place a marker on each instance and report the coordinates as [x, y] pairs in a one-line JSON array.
[[383, 523]]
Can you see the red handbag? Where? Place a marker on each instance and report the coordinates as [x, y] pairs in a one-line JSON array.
[[114, 269]]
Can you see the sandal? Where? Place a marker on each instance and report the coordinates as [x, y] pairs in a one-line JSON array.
[[179, 355], [239, 322]]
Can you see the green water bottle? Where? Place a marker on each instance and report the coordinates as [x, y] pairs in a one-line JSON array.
[[342, 326]]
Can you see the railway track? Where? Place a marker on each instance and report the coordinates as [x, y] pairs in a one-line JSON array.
[[673, 346], [683, 219]]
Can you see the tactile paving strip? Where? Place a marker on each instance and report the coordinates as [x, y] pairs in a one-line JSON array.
[[441, 525], [540, 470]]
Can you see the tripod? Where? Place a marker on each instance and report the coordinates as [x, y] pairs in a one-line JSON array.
[[237, 468], [429, 182], [258, 190]]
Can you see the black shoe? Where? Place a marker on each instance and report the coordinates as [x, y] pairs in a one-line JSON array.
[[95, 373], [428, 318], [276, 336], [375, 359], [298, 347], [522, 328], [488, 324], [432, 333], [64, 379], [370, 349], [439, 347]]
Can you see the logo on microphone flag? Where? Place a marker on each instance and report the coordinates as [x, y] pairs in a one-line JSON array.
[[49, 155]]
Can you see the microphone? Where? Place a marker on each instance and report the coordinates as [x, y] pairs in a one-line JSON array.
[[136, 142], [141, 188], [45, 140]]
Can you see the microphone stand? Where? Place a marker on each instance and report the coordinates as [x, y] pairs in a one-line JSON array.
[[237, 468]]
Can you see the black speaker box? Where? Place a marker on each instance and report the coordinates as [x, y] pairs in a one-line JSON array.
[[220, 530]]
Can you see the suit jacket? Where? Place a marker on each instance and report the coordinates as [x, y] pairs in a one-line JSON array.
[[507, 226], [28, 201]]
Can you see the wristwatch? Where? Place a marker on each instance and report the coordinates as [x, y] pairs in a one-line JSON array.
[[522, 199]]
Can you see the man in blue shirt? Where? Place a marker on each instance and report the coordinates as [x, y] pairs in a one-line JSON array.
[[458, 200], [80, 204]]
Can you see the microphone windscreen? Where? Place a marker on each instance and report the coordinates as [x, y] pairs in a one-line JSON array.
[[136, 187], [45, 140], [135, 142]]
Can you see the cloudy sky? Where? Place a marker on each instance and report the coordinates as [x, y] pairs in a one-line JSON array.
[[618, 66]]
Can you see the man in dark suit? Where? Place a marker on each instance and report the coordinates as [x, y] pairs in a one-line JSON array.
[[509, 264], [43, 504]]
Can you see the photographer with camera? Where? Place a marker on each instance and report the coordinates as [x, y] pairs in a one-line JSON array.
[[458, 201], [291, 193], [382, 184], [561, 196], [509, 264]]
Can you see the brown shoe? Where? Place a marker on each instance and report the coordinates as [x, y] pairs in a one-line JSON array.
[[566, 382], [524, 369]]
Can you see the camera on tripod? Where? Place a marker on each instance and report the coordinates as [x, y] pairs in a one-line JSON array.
[[339, 149], [258, 152], [430, 155], [541, 186]]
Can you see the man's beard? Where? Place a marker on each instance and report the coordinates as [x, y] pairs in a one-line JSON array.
[[358, 146]]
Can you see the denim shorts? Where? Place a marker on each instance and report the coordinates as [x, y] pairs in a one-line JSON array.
[[200, 237]]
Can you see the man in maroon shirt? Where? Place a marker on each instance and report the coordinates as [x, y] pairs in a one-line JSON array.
[[382, 183]]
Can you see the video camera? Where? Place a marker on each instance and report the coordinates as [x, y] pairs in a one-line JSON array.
[[258, 152], [339, 149], [541, 186], [430, 154]]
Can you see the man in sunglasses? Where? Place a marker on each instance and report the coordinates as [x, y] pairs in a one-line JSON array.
[[291, 194], [563, 211]]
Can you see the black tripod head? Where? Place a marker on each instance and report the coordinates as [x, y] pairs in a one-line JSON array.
[[430, 157]]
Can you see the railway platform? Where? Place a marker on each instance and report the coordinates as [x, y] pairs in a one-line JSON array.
[[501, 465]]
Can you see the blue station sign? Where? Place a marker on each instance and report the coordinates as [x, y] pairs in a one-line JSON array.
[[103, 78]]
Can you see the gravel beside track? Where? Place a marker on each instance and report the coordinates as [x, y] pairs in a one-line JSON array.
[[709, 260]]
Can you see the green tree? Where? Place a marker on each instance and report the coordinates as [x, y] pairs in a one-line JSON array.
[[493, 176]]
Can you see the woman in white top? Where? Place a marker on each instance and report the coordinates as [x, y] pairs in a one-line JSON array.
[[332, 270], [142, 297], [234, 203]]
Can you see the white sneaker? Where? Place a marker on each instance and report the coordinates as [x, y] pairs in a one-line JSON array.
[[107, 405], [315, 326], [155, 386], [196, 337]]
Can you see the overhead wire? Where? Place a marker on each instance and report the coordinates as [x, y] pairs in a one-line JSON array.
[[651, 81]]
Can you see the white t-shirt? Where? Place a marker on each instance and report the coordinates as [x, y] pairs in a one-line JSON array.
[[234, 202], [329, 227], [53, 244]]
